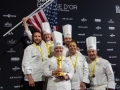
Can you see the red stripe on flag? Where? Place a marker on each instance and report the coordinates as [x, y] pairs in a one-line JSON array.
[[37, 22], [33, 24], [57, 28], [41, 17]]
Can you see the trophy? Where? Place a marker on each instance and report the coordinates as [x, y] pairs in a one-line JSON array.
[[59, 63]]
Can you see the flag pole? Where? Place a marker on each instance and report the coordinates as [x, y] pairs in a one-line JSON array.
[[27, 16]]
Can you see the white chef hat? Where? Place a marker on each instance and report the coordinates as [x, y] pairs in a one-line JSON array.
[[57, 39], [91, 43], [67, 30], [46, 27]]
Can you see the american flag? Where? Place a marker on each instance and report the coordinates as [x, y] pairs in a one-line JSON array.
[[47, 14]]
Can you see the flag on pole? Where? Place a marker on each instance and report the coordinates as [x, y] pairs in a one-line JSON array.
[[47, 14]]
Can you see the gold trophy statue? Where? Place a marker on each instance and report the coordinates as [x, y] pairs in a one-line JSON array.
[[59, 63]]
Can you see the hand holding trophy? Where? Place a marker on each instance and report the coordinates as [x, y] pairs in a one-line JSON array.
[[59, 73]]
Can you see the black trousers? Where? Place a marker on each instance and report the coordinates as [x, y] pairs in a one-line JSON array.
[[38, 86]]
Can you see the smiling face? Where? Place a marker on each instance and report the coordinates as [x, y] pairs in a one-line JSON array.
[[72, 47], [67, 40], [58, 50], [92, 54], [37, 37], [47, 37]]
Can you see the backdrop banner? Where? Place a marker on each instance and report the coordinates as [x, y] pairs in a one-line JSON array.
[[100, 18]]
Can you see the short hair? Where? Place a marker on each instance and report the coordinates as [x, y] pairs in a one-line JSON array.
[[73, 41], [34, 33]]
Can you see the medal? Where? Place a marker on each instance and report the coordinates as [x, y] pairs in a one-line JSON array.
[[74, 71], [92, 68], [93, 75], [74, 62]]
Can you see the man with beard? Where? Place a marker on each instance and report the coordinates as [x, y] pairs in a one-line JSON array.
[[46, 35], [34, 58], [67, 32], [101, 73]]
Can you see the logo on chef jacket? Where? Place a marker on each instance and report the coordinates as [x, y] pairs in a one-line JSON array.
[[1, 87], [67, 18], [98, 27], [111, 28], [110, 21], [9, 16], [15, 59], [8, 24], [111, 42], [16, 77], [110, 49], [83, 19], [97, 20], [11, 41], [97, 35], [66, 7], [81, 34], [83, 27], [80, 41], [11, 50], [16, 68], [112, 35], [18, 86], [112, 57], [117, 7]]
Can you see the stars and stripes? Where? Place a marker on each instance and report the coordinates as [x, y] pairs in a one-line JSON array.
[[47, 14]]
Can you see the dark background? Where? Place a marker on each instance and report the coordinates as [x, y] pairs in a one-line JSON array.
[[84, 15]]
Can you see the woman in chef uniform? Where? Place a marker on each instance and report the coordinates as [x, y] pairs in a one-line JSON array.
[[58, 68]]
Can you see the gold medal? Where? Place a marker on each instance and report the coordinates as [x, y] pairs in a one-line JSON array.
[[93, 75], [74, 62]]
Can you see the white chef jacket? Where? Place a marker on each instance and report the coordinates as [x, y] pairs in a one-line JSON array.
[[82, 72], [32, 62], [104, 76], [54, 83]]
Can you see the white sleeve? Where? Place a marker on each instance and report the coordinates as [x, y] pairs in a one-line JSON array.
[[85, 72], [26, 63], [71, 69], [46, 70], [110, 76], [29, 34]]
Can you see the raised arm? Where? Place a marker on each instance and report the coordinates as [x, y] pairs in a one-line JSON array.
[[27, 31]]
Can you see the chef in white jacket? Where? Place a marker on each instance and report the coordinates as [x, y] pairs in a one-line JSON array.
[[81, 71], [46, 35], [67, 32], [33, 61], [51, 68], [101, 73]]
